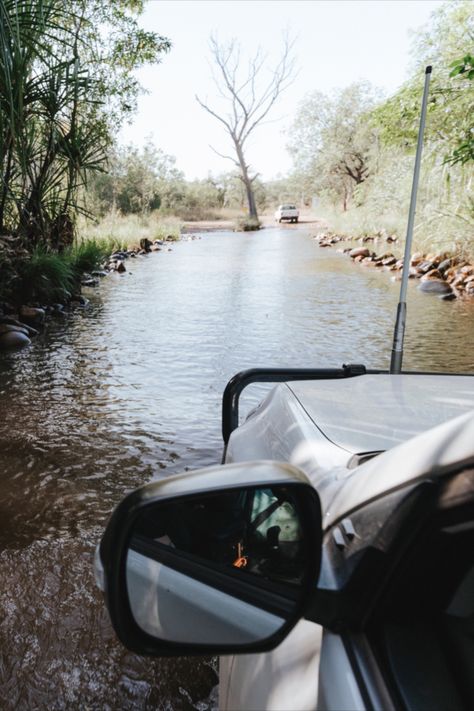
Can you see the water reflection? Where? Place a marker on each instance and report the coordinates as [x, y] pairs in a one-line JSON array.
[[130, 390]]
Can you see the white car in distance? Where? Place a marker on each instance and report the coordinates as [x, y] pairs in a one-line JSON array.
[[287, 212]]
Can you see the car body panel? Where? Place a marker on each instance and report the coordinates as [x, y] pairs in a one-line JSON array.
[[377, 412], [319, 426]]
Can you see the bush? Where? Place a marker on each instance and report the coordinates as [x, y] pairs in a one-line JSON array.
[[45, 277], [247, 224], [89, 255]]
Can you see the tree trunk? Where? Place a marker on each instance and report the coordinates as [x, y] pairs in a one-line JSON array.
[[252, 205]]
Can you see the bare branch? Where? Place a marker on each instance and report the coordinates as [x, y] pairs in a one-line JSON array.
[[222, 155], [249, 98]]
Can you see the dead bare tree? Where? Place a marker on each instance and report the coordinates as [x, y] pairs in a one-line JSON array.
[[247, 99]]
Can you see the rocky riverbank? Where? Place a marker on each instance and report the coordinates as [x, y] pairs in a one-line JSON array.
[[20, 323], [449, 276]]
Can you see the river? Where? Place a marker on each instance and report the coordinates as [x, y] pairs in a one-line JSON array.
[[128, 390]]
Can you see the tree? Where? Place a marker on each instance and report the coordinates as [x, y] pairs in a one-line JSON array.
[[247, 101], [331, 143], [66, 81]]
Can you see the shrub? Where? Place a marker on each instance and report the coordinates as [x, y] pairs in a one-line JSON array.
[[45, 277], [90, 254], [247, 224]]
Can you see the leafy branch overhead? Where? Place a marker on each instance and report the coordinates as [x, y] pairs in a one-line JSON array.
[[464, 69], [66, 83]]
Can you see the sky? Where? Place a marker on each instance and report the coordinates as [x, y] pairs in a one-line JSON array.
[[337, 42]]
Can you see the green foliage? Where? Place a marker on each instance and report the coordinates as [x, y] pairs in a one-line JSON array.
[[116, 231], [331, 142], [59, 63], [44, 277], [89, 255], [387, 134], [463, 68]]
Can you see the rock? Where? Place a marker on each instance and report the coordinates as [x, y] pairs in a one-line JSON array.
[[359, 252], [145, 244], [450, 296], [433, 274], [91, 282], [445, 264], [81, 300], [435, 286], [99, 273], [170, 238], [30, 331], [132, 254], [117, 257], [132, 248], [425, 266], [142, 251], [468, 270], [8, 328], [388, 261], [121, 267], [13, 339], [31, 316], [155, 248], [160, 242], [416, 258], [391, 238]]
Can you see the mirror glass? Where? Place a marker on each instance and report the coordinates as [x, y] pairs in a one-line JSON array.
[[223, 567]]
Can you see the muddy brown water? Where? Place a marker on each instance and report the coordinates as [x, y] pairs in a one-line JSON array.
[[128, 390]]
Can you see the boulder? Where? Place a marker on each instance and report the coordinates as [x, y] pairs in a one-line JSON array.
[[450, 296], [31, 315], [99, 273], [433, 274], [435, 286], [445, 264], [416, 258], [359, 252], [8, 328], [121, 267], [145, 244], [13, 339], [425, 266], [388, 261]]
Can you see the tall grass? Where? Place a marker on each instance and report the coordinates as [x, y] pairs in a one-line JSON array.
[[445, 207], [124, 231]]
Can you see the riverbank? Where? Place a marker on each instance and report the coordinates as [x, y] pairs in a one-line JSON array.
[[449, 276], [56, 274]]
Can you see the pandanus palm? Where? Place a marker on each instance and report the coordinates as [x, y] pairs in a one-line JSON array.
[[52, 130]]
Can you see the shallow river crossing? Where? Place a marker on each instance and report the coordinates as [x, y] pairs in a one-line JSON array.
[[128, 390]]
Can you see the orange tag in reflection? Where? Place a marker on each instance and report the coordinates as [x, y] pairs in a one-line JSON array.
[[240, 562]]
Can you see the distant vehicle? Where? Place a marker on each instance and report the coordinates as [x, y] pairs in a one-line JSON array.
[[287, 212]]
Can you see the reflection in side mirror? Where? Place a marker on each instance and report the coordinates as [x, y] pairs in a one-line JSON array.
[[218, 568]]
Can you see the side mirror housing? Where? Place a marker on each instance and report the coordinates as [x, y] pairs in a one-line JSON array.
[[218, 561]]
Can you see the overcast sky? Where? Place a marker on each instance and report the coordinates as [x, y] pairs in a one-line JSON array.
[[338, 42]]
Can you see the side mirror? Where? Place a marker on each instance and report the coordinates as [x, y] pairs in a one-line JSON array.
[[217, 561]]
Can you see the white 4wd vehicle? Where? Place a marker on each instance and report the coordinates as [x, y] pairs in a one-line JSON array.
[[333, 552], [287, 212]]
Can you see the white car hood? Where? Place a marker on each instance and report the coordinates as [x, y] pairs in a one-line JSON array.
[[377, 412]]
